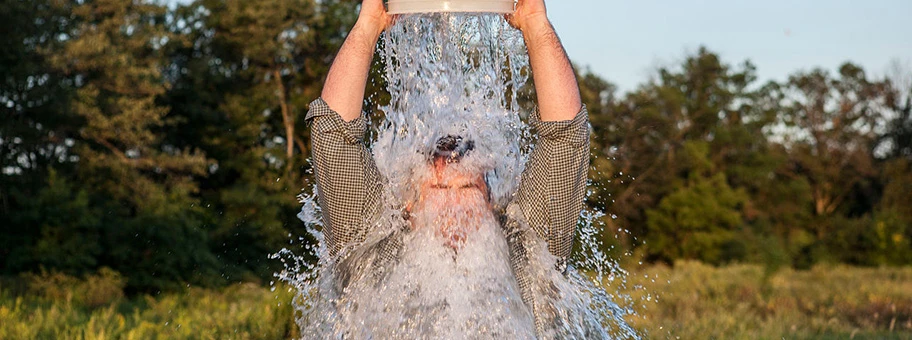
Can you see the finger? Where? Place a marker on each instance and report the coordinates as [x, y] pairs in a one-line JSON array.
[[510, 20], [394, 18]]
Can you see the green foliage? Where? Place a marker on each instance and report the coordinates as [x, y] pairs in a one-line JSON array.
[[163, 251], [93, 291], [699, 220], [67, 234], [244, 73], [883, 239], [34, 122], [168, 144], [897, 191], [174, 137], [787, 165], [832, 123]]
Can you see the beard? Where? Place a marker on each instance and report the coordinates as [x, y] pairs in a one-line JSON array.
[[452, 278], [454, 213]]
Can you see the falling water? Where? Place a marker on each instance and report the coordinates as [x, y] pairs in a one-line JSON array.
[[459, 75]]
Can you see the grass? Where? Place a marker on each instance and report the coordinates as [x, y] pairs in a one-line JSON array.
[[60, 310], [689, 301], [696, 301]]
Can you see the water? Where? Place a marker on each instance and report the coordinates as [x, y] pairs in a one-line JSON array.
[[458, 75]]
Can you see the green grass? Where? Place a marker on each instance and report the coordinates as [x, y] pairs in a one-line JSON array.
[[696, 301], [689, 301], [52, 311]]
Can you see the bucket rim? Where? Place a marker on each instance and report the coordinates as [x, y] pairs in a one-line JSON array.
[[433, 6]]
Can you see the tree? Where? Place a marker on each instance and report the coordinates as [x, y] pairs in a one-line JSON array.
[[829, 129], [243, 73], [35, 129], [897, 141], [699, 220], [65, 230], [896, 157], [113, 53], [645, 133]]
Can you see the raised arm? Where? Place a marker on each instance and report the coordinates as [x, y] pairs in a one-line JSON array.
[[344, 87], [552, 73], [553, 185], [348, 183]]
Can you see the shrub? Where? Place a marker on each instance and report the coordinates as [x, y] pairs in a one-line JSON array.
[[93, 291]]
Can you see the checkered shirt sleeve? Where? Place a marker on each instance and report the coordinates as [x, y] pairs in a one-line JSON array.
[[553, 185], [349, 185]]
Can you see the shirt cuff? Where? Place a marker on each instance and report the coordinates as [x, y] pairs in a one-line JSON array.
[[574, 131], [325, 119]]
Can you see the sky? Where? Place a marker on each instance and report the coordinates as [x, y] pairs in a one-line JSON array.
[[625, 41]]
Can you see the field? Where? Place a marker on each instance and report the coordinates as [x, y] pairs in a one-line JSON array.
[[62, 308], [697, 301], [689, 301]]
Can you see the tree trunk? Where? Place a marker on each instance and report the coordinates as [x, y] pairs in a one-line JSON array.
[[286, 117]]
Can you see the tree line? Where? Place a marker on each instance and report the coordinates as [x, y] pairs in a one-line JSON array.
[[704, 162], [168, 144]]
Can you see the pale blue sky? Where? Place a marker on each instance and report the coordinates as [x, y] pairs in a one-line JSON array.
[[624, 41]]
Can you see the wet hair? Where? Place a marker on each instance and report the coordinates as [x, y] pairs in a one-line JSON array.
[[452, 148]]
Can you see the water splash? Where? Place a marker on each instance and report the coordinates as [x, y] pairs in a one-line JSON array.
[[451, 74], [459, 75]]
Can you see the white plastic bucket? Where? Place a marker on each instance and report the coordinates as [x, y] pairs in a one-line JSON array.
[[427, 6]]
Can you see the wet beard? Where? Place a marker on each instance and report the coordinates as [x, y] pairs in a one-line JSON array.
[[455, 213], [453, 278]]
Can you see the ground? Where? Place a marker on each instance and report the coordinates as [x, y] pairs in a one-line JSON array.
[[688, 301]]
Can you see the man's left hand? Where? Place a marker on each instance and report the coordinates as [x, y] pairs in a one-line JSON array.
[[527, 13]]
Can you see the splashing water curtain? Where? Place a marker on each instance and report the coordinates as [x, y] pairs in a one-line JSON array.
[[452, 74]]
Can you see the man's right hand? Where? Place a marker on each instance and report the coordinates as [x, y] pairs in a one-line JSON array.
[[374, 16]]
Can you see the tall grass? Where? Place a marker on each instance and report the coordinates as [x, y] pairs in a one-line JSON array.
[[689, 301], [56, 306], [697, 301]]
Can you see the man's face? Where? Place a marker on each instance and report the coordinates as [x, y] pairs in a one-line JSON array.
[[453, 200]]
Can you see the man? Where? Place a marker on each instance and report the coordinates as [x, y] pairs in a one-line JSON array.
[[453, 198]]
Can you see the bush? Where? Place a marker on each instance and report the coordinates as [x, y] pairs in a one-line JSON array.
[[58, 228], [93, 291], [882, 239], [698, 221]]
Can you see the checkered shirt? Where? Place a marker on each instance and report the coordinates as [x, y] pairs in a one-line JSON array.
[[546, 206]]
